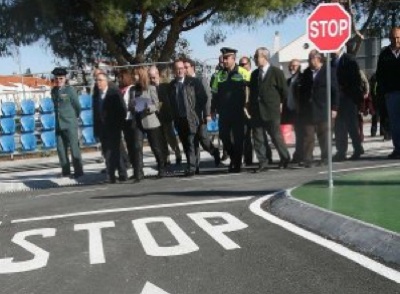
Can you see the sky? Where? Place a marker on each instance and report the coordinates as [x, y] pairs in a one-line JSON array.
[[245, 40]]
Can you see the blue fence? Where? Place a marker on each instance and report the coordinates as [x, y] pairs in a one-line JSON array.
[[30, 128]]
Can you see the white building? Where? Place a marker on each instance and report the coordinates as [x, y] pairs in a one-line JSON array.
[[297, 49]]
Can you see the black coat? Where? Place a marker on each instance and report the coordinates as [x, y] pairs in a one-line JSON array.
[[266, 98], [313, 98], [113, 109], [195, 100], [349, 78]]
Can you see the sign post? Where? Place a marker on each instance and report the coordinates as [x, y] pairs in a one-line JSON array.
[[329, 28]]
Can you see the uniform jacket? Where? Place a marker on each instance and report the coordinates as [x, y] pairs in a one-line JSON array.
[[313, 98], [195, 99], [229, 92], [66, 107], [265, 98]]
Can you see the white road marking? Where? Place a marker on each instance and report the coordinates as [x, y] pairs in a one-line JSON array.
[[126, 209], [200, 177], [363, 168], [70, 192], [150, 288], [356, 257]]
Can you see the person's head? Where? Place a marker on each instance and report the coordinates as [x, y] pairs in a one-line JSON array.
[[245, 63], [102, 81], [394, 38], [154, 75], [141, 76], [179, 69], [261, 57], [315, 59], [294, 66], [125, 77], [190, 67], [97, 71], [60, 76], [229, 57]]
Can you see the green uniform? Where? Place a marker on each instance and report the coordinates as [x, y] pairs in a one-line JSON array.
[[67, 110]]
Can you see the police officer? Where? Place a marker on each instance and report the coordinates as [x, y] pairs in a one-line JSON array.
[[67, 110], [230, 88]]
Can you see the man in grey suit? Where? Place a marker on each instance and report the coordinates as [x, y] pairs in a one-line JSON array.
[[268, 90]]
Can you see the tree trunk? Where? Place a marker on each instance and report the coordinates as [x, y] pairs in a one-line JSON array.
[[172, 38]]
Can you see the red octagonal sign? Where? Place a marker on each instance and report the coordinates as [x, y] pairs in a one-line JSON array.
[[329, 27]]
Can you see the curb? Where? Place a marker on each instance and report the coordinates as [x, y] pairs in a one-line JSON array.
[[365, 238]]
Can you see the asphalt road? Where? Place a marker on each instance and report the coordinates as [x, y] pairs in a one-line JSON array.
[[178, 235]]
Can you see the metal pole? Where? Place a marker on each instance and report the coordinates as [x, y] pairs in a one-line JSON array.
[[329, 109]]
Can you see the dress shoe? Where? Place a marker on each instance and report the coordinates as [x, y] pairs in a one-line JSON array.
[[189, 173], [78, 175], [394, 155], [308, 164], [161, 174], [65, 175], [284, 163], [111, 181], [122, 179], [217, 157], [356, 155], [339, 157], [262, 167]]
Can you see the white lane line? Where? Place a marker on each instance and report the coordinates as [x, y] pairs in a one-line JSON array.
[[125, 209], [356, 257], [363, 168], [208, 177], [70, 192]]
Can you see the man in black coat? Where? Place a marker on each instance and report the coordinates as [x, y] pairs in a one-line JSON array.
[[350, 98], [188, 99], [268, 90], [312, 92], [110, 113]]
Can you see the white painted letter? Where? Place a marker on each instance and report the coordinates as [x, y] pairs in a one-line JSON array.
[[314, 31], [343, 26], [96, 250], [333, 28], [40, 256], [217, 231], [150, 246], [323, 24], [150, 288]]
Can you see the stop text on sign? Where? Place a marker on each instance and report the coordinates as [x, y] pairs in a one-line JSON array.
[[184, 244], [328, 28]]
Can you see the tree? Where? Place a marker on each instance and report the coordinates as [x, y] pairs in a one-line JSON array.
[[128, 30]]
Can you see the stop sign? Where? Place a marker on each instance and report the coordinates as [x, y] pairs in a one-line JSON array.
[[329, 27]]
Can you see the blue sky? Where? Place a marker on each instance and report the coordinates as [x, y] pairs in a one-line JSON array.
[[245, 40]]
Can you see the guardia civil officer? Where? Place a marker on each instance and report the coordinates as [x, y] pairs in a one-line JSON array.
[[230, 88], [67, 110]]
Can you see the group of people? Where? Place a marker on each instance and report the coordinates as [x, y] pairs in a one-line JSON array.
[[250, 106]]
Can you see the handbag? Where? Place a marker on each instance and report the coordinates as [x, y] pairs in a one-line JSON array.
[[149, 120]]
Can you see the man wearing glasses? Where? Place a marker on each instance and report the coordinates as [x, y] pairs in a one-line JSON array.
[[67, 110]]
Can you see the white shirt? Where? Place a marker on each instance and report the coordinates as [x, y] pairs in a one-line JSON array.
[[126, 100], [103, 93], [264, 70], [396, 52], [315, 73]]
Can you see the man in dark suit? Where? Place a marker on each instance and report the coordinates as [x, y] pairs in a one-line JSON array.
[[268, 90], [112, 113], [350, 99], [204, 138], [188, 99], [312, 89], [67, 110]]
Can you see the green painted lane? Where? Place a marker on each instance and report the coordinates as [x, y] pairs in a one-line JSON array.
[[372, 196]]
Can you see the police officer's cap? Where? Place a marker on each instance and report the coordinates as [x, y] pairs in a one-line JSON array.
[[59, 71], [228, 51]]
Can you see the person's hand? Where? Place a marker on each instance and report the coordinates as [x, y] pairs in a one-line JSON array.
[[334, 114]]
